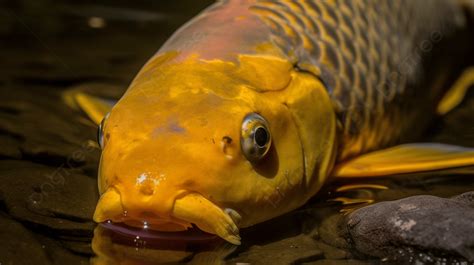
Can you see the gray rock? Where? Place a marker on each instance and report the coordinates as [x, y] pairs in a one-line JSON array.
[[433, 226]]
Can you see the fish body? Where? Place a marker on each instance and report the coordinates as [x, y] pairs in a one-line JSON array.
[[244, 111]]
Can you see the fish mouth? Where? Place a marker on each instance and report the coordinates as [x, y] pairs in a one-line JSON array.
[[189, 209]]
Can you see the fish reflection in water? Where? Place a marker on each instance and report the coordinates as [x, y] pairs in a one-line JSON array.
[[117, 244]]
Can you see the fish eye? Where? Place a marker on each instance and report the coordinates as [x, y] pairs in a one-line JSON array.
[[255, 140], [100, 132]]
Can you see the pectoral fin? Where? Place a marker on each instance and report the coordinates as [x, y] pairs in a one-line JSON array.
[[407, 158], [94, 107]]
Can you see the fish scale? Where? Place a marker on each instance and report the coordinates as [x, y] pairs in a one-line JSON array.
[[357, 48]]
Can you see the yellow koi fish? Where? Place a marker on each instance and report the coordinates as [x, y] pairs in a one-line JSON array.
[[250, 107]]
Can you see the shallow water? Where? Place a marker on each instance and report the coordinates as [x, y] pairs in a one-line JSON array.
[[49, 156]]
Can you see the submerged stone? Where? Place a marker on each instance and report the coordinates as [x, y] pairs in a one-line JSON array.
[[426, 226]]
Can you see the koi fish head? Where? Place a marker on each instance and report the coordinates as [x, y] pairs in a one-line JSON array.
[[204, 143]]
